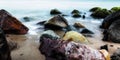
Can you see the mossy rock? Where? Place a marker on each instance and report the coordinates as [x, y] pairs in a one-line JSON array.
[[55, 11], [102, 13], [75, 11], [94, 9], [114, 9], [76, 15]]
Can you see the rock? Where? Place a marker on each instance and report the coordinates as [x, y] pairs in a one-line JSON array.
[[94, 9], [75, 36], [75, 11], [41, 23], [12, 45], [49, 34], [113, 32], [83, 16], [56, 23], [10, 24], [69, 50], [86, 31], [27, 19], [116, 55], [76, 15], [104, 47], [110, 19], [4, 48], [78, 25], [115, 9], [55, 11], [102, 13]]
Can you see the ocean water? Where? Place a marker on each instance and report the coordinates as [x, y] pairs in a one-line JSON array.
[[39, 10]]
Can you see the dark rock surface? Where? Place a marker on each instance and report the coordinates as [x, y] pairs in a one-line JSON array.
[[4, 48], [10, 24], [110, 19], [116, 55]]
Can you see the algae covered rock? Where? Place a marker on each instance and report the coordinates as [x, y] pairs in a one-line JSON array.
[[76, 13], [57, 22], [75, 36], [4, 48], [55, 11], [110, 19], [95, 9], [115, 9], [10, 24], [102, 13]]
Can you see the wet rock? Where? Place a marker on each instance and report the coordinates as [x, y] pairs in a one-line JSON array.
[[94, 9], [110, 19], [56, 23], [75, 36], [4, 48], [55, 11], [102, 13], [116, 55], [27, 19], [10, 24], [83, 16], [41, 23]]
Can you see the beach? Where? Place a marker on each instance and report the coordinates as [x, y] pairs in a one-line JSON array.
[[28, 44]]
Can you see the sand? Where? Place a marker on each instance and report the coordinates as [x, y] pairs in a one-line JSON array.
[[28, 46]]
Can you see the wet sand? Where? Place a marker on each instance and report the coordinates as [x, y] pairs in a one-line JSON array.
[[28, 46]]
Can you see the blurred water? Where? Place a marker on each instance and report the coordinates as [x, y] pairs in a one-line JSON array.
[[39, 10]]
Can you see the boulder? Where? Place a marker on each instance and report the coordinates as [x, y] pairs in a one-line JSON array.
[[113, 32], [94, 9], [56, 23], [75, 36], [69, 50], [75, 11], [27, 19], [55, 11], [102, 13], [4, 48], [10, 24], [110, 19]]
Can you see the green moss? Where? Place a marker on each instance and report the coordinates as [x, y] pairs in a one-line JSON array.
[[95, 9], [55, 11], [101, 13], [114, 9]]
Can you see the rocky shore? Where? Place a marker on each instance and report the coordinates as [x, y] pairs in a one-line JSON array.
[[18, 44]]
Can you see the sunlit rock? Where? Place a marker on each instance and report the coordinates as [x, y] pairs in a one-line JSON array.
[[75, 36], [10, 24]]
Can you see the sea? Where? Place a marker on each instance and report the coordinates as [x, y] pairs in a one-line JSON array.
[[39, 10]]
